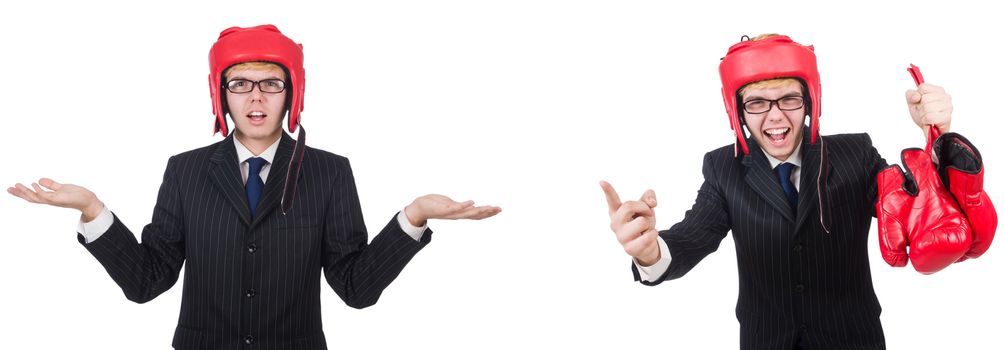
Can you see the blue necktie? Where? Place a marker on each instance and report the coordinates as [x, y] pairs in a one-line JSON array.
[[255, 183], [784, 176]]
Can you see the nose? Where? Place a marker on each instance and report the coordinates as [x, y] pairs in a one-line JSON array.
[[255, 94], [774, 112]]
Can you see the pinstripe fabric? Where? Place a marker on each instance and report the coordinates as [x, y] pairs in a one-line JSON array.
[[797, 283], [254, 283]]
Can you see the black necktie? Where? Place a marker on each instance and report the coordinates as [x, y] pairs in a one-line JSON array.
[[784, 176], [255, 183]]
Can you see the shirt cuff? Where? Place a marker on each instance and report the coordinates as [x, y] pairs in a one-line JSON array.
[[652, 273], [97, 227], [406, 226]]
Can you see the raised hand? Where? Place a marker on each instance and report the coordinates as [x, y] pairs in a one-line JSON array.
[[47, 191], [434, 206], [929, 105], [634, 224]]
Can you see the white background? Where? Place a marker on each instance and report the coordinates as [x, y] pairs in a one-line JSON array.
[[521, 104]]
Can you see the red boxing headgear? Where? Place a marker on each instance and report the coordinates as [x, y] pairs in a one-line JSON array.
[[264, 43], [772, 57]]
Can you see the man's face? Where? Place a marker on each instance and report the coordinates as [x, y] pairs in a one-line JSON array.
[[258, 115], [777, 132]]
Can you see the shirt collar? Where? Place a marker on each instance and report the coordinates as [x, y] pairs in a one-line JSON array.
[[243, 153], [795, 158]]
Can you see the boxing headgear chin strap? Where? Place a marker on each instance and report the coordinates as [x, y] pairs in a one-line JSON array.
[[773, 57], [262, 43]]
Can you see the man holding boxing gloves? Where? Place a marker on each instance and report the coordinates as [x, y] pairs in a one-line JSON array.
[[799, 206]]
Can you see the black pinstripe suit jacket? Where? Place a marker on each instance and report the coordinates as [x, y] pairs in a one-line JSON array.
[[797, 283], [254, 282]]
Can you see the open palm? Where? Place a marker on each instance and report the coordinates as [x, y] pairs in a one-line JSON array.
[[435, 206], [47, 191]]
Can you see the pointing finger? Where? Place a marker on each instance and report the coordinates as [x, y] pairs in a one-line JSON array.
[[613, 200]]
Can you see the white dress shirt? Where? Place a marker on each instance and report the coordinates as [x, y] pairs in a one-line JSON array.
[[95, 228], [652, 273]]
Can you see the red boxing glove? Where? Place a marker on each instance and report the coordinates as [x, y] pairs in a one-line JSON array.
[[914, 209], [961, 169]]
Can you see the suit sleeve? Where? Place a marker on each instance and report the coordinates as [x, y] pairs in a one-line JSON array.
[[702, 229], [873, 164], [356, 271], [145, 270]]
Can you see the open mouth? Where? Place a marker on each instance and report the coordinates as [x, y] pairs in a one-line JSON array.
[[257, 117], [777, 136]]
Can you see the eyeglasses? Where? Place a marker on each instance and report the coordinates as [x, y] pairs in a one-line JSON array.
[[243, 86], [758, 106]]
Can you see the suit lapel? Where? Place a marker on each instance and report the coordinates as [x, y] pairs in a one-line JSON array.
[[272, 194], [226, 175], [761, 178], [808, 195]]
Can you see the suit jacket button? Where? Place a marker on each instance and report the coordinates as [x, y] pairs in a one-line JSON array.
[[250, 293], [252, 248], [799, 288], [798, 247], [249, 339]]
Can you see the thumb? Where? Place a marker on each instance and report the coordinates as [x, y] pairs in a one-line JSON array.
[[649, 198], [912, 96], [50, 184], [462, 205]]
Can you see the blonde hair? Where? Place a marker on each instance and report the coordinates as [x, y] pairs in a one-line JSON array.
[[257, 65], [769, 84], [764, 36]]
